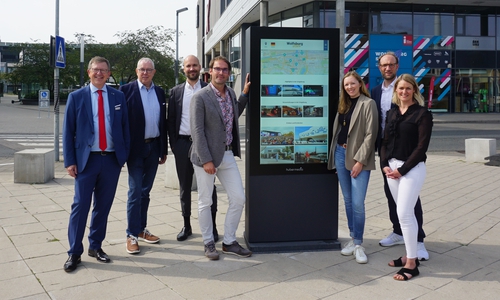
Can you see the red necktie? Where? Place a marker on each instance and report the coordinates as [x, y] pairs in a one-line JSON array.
[[102, 125]]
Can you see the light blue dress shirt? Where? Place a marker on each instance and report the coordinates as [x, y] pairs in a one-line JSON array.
[[151, 108], [94, 98]]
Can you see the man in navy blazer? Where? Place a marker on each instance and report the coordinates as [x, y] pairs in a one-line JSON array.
[[179, 135], [382, 94], [146, 105], [94, 157]]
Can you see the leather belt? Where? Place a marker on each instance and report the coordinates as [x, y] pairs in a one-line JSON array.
[[147, 141], [185, 137], [343, 146], [229, 147], [102, 153]]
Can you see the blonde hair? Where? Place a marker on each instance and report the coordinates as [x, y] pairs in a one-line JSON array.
[[417, 96], [345, 99]]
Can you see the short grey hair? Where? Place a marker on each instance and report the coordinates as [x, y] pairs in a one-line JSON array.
[[146, 59]]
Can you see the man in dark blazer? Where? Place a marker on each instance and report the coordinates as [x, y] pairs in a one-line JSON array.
[[146, 105], [95, 147], [214, 114], [179, 134], [382, 94]]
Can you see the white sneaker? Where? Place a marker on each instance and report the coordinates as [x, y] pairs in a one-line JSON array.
[[348, 248], [422, 253], [391, 240], [359, 252]]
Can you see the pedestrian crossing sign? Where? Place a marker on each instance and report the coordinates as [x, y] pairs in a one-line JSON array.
[[60, 52]]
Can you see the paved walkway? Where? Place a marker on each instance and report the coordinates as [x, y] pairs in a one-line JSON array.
[[461, 201]]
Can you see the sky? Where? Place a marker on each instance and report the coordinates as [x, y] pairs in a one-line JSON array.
[[35, 20]]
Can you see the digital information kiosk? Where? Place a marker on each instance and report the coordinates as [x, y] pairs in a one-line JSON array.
[[292, 199]]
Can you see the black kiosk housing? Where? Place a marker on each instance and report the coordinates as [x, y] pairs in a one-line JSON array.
[[291, 197]]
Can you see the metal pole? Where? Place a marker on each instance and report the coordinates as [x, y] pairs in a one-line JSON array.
[[177, 43], [340, 23], [82, 45], [56, 95]]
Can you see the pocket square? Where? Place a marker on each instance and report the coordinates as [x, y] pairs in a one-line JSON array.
[[118, 107]]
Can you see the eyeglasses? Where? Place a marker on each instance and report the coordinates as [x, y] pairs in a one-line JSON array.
[[141, 70], [95, 70], [387, 66], [221, 70]]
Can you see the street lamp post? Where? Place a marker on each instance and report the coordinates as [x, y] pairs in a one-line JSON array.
[[82, 56], [177, 43]]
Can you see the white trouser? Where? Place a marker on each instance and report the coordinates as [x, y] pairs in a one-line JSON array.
[[405, 191], [230, 177]]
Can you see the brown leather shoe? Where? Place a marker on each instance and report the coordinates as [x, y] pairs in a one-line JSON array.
[[132, 245], [148, 237]]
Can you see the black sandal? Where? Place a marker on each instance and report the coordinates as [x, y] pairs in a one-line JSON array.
[[404, 271], [399, 263]]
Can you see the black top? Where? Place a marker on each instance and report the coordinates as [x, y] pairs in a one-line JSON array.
[[406, 137], [345, 121]]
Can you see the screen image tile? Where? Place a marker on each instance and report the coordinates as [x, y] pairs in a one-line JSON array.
[[270, 111]]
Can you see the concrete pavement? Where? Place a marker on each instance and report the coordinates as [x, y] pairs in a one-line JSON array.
[[462, 222]]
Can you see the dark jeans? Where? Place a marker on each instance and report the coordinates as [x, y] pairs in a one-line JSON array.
[[141, 175], [393, 215]]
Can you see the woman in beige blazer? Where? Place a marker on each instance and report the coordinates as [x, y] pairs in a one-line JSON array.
[[352, 154]]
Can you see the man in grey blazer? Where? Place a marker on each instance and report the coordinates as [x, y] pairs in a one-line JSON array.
[[214, 113]]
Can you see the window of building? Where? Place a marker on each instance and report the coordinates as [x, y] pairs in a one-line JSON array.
[[293, 17], [388, 22], [235, 52], [433, 24], [356, 22], [223, 5], [391, 18], [274, 20], [475, 21]]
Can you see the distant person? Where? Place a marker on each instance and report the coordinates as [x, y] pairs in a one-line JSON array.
[[95, 147], [352, 154], [403, 155], [382, 94], [179, 134], [214, 116], [148, 147]]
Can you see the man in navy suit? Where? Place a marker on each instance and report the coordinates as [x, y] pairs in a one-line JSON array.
[[146, 105], [95, 147], [382, 94], [179, 135]]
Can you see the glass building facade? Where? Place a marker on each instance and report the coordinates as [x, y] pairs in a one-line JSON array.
[[451, 50]]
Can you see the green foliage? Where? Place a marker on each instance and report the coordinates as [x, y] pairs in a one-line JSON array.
[[152, 42]]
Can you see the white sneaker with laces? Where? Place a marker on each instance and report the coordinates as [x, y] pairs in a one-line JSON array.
[[392, 240], [348, 248], [422, 253], [359, 253]]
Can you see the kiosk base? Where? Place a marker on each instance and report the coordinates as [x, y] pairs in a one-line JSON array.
[[302, 246]]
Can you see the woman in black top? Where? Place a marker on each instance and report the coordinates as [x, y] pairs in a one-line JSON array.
[[407, 136]]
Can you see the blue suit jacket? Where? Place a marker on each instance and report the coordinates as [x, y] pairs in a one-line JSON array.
[[175, 111], [137, 121], [78, 127]]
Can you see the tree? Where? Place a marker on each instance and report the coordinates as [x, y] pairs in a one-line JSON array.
[[152, 42], [33, 69]]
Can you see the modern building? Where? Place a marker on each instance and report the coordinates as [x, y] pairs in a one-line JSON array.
[[450, 46]]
